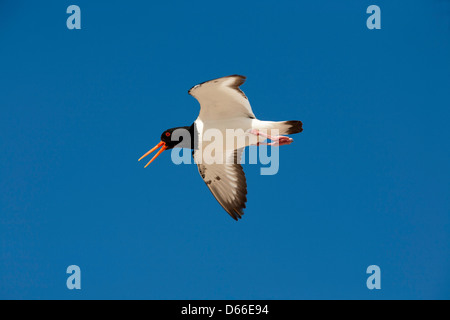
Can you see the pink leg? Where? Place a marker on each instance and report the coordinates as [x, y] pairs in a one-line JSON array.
[[277, 140]]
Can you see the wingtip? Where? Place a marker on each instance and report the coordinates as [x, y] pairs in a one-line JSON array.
[[235, 214], [239, 82], [238, 214], [238, 75]]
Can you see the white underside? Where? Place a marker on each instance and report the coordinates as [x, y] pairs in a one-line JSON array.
[[219, 138]]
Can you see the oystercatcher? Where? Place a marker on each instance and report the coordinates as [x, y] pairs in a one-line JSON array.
[[224, 107]]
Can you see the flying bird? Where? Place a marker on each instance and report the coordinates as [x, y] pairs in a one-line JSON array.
[[223, 106]]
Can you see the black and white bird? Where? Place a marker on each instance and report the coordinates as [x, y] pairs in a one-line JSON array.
[[223, 106]]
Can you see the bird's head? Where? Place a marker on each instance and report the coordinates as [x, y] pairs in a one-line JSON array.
[[166, 143], [166, 138]]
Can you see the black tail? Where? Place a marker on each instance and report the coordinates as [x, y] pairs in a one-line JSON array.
[[292, 127]]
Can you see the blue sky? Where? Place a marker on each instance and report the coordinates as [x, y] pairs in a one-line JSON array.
[[366, 183]]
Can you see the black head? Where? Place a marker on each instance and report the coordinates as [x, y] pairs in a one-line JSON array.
[[180, 137], [169, 139]]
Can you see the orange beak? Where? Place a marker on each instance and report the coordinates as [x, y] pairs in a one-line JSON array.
[[156, 155]]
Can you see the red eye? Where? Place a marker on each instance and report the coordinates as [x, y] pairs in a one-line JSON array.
[[167, 134]]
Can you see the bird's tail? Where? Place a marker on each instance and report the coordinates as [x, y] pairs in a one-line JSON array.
[[284, 127]]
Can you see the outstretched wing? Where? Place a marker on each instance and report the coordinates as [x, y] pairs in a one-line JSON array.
[[222, 99], [227, 183]]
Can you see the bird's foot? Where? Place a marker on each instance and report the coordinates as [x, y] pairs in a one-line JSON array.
[[277, 140]]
